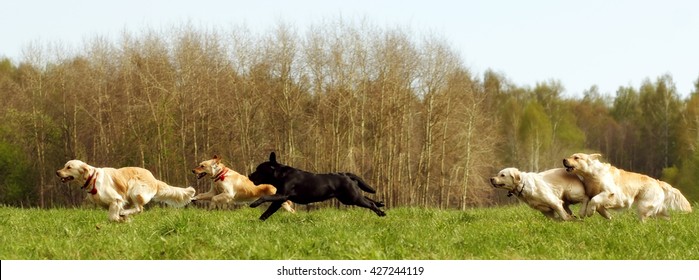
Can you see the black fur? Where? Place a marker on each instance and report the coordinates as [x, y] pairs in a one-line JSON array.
[[304, 187]]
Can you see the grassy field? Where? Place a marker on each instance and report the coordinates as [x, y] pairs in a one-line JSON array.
[[514, 232]]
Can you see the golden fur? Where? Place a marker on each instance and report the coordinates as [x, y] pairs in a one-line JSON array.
[[114, 188], [230, 187], [613, 188], [550, 192]]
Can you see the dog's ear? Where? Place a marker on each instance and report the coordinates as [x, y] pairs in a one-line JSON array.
[[595, 156], [85, 170], [217, 159], [273, 157], [516, 178]]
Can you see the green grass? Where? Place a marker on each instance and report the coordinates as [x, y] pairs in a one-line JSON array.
[[515, 232]]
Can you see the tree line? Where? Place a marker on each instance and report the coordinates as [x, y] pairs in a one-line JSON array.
[[403, 112]]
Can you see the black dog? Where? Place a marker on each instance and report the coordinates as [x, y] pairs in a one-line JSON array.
[[304, 187]]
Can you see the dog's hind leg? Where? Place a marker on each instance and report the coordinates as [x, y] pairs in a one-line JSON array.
[[287, 206], [133, 210], [139, 195], [376, 210], [647, 209], [223, 199], [272, 208], [377, 203], [350, 194], [368, 203]]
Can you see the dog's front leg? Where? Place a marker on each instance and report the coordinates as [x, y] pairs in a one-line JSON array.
[[115, 209], [272, 208], [583, 207], [596, 205], [221, 200], [592, 206], [561, 212], [205, 196], [269, 198], [603, 211]]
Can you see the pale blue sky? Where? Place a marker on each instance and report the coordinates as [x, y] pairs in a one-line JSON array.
[[580, 43]]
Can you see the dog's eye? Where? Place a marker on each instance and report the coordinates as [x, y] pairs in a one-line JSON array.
[[68, 167], [502, 175], [576, 158], [202, 166]]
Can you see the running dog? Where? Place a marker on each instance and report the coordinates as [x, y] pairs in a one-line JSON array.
[[613, 188], [114, 188], [550, 192], [230, 187], [304, 187]]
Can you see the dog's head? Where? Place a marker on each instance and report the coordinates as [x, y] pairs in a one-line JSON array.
[[508, 178], [211, 167], [267, 172], [73, 169], [580, 163]]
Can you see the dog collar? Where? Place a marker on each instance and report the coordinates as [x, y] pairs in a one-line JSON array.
[[221, 175], [89, 181]]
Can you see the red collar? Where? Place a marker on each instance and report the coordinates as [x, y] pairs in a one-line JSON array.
[[89, 181], [221, 175]]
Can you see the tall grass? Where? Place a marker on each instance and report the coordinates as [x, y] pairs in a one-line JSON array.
[[515, 232]]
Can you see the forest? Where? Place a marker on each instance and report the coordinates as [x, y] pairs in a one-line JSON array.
[[400, 110]]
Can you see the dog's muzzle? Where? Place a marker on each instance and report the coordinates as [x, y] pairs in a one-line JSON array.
[[66, 179], [495, 184], [566, 164], [199, 175]]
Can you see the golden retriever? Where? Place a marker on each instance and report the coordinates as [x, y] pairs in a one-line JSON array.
[[229, 186], [550, 192], [114, 188], [613, 188]]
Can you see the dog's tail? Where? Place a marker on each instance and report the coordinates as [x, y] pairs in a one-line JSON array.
[[362, 185], [674, 198], [174, 196]]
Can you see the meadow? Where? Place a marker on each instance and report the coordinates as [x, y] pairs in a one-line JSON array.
[[508, 232]]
